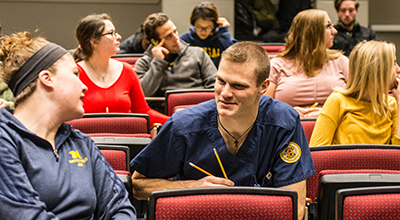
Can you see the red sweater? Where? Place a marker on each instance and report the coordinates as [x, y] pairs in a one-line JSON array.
[[125, 95]]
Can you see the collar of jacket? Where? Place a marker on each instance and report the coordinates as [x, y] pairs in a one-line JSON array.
[[339, 25], [6, 116]]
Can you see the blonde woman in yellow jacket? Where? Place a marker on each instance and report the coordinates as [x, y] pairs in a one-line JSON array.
[[363, 112]]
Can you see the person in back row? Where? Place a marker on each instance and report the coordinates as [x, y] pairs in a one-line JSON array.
[[364, 106], [209, 31], [306, 71], [136, 43], [170, 63], [260, 140], [350, 32], [113, 86], [49, 170]]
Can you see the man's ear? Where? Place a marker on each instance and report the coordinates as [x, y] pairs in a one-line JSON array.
[[45, 78], [264, 86]]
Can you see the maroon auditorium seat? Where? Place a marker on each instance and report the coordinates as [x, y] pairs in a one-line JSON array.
[[221, 203]]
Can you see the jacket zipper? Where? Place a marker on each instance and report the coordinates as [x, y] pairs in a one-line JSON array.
[[56, 154]]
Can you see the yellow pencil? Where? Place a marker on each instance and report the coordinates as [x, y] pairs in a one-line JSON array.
[[314, 105], [220, 164], [193, 165]]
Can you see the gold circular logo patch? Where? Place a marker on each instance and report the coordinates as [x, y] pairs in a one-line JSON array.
[[291, 154]]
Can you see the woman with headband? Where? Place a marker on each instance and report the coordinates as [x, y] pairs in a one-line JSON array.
[[48, 170]]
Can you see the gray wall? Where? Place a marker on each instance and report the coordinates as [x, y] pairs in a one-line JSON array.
[[328, 5], [56, 20], [384, 18]]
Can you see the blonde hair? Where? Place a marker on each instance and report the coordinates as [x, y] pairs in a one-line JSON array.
[[305, 42], [15, 50], [371, 73]]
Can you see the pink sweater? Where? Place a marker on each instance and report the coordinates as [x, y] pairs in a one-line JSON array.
[[301, 90]]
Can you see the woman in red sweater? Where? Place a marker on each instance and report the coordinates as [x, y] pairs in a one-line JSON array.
[[113, 86]]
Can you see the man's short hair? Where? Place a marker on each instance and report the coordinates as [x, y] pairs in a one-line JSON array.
[[249, 52], [152, 22], [339, 2]]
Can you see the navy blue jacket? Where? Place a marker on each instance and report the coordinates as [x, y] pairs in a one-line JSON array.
[[36, 184]]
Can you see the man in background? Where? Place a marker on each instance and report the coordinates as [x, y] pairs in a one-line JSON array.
[[170, 63], [136, 43], [350, 32]]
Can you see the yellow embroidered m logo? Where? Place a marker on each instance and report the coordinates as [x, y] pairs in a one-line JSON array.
[[76, 158], [75, 154]]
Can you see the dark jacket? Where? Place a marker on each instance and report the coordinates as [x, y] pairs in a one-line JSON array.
[[346, 41], [133, 44], [76, 182]]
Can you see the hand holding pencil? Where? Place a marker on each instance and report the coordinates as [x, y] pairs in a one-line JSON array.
[[309, 112], [211, 179], [313, 105]]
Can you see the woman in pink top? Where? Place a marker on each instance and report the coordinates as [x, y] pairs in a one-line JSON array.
[[306, 71], [113, 86]]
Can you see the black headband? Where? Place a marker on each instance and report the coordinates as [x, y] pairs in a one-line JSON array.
[[41, 60]]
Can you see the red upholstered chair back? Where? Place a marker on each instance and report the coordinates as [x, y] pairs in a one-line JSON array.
[[126, 129], [185, 98], [139, 135], [368, 203], [116, 156], [308, 126], [128, 58], [223, 203], [113, 123], [122, 172], [273, 48], [351, 157]]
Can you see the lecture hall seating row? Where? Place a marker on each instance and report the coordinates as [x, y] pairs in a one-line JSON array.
[[273, 49]]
